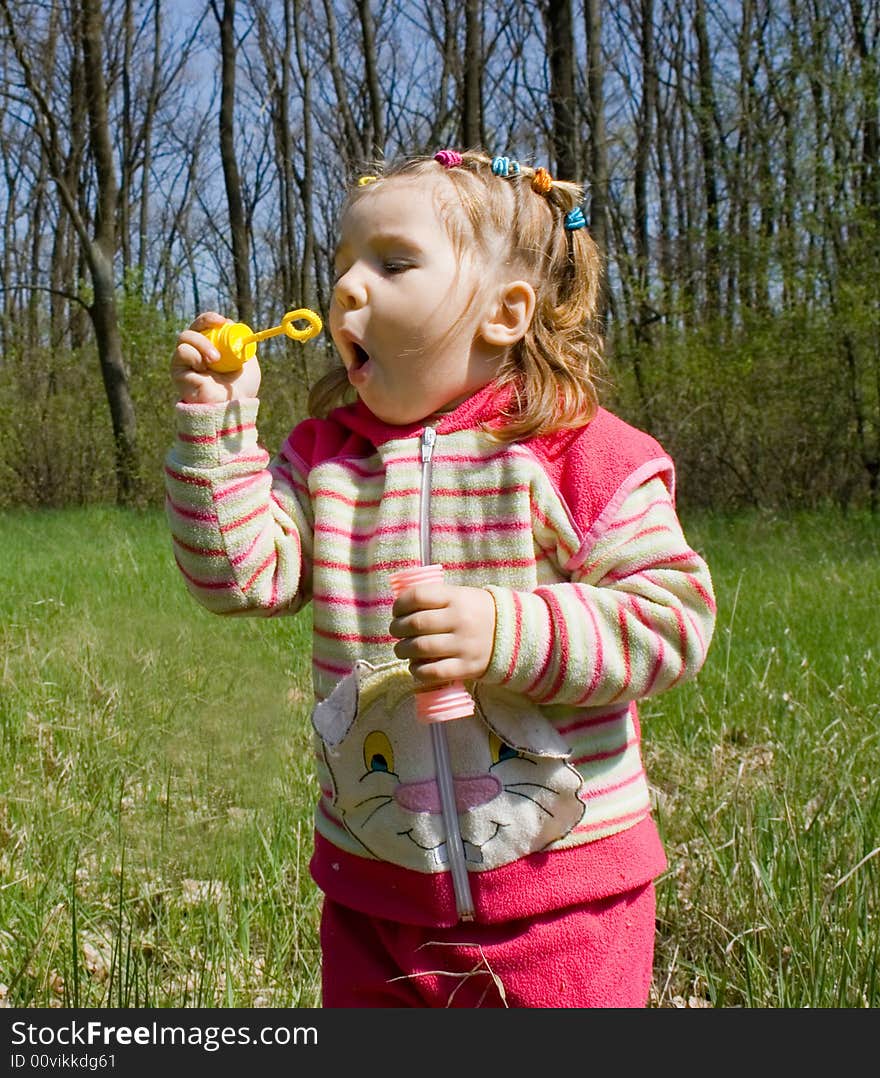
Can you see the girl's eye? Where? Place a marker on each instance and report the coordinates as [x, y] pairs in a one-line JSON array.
[[394, 265]]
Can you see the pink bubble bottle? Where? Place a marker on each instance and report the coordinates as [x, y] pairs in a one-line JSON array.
[[451, 701]]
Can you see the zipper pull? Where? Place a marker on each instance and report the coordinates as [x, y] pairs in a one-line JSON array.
[[429, 437]]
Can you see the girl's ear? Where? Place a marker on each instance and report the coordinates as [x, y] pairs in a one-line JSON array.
[[509, 315]]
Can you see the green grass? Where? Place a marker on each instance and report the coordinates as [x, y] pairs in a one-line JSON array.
[[765, 772], [157, 788], [157, 797]]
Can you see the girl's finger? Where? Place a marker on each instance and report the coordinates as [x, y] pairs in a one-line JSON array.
[[426, 648], [198, 342], [421, 623], [436, 673], [421, 597], [207, 319]]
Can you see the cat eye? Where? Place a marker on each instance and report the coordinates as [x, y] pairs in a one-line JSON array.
[[500, 750], [378, 754]]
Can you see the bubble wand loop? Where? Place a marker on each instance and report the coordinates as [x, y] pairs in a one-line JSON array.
[[237, 342], [289, 329]]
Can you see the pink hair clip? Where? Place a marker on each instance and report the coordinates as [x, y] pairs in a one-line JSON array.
[[448, 158]]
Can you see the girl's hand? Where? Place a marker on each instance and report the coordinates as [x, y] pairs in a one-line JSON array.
[[191, 367], [446, 631]]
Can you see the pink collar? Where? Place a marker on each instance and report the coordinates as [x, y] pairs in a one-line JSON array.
[[484, 406]]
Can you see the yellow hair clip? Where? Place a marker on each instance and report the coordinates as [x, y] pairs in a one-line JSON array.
[[364, 181]]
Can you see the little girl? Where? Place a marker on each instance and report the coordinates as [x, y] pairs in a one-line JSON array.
[[463, 312]]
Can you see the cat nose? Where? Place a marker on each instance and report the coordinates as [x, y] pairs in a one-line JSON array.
[[425, 796]]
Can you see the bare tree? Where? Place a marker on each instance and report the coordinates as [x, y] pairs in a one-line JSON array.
[[730, 153], [560, 53], [307, 270], [705, 112], [443, 38], [861, 256], [348, 140], [276, 46], [869, 118], [644, 142], [374, 93], [472, 77], [238, 226], [98, 242]]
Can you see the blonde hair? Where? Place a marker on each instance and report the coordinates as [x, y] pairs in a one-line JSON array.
[[553, 368]]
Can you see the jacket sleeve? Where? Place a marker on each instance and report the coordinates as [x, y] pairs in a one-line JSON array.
[[241, 524], [635, 618]]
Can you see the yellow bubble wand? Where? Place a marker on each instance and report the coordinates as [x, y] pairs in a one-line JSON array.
[[237, 343]]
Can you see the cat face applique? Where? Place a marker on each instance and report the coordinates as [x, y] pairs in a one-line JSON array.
[[512, 800]]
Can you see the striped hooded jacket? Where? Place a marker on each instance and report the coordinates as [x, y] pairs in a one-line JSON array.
[[600, 602]]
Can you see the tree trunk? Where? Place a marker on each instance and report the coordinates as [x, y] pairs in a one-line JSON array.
[[869, 186], [150, 107], [104, 315], [684, 174], [306, 276], [560, 34], [351, 148], [447, 49], [238, 230], [7, 270], [644, 141], [471, 112], [127, 138], [864, 238], [101, 252], [276, 49], [374, 93], [38, 216], [705, 109], [664, 124], [598, 157]]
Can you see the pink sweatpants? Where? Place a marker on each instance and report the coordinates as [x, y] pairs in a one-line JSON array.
[[599, 954]]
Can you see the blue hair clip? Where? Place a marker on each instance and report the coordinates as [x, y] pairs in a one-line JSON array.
[[505, 166], [575, 219]]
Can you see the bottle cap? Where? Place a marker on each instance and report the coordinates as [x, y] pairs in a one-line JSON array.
[[440, 705], [415, 574], [233, 341]]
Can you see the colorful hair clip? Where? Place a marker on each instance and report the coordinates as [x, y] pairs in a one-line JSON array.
[[542, 181], [364, 181], [448, 158], [505, 166], [575, 219]]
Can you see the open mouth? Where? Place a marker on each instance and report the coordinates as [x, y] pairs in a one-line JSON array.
[[359, 356]]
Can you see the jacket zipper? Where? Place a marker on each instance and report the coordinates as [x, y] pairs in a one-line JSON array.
[[464, 903], [427, 442]]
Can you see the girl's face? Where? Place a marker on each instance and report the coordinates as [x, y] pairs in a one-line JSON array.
[[407, 306]]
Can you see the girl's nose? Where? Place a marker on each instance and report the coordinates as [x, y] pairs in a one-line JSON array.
[[349, 291]]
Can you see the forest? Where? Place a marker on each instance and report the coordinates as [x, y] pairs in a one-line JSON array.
[[159, 159]]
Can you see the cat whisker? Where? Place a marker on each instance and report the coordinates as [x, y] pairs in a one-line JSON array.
[[383, 799], [512, 789]]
